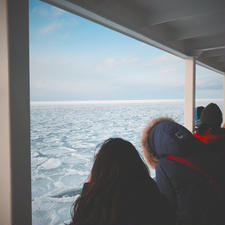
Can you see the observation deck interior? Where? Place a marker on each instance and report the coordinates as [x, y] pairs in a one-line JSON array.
[[193, 30]]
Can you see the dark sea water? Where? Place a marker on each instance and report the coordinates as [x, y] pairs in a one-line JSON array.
[[63, 143]]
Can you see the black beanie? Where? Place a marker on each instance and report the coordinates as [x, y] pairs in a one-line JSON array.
[[211, 116]]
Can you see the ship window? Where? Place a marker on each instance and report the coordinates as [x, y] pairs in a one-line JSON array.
[[88, 83]]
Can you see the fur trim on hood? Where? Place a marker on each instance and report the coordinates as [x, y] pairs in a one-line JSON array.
[[150, 158], [164, 137]]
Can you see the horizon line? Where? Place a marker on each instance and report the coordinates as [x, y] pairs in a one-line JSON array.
[[83, 102]]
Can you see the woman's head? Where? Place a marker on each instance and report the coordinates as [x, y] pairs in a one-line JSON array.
[[117, 160], [117, 177]]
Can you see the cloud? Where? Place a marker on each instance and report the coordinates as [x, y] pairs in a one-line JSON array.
[[40, 10], [47, 11], [76, 77], [49, 28], [56, 11], [207, 79], [166, 58], [52, 89], [110, 62], [46, 19], [210, 83], [166, 63], [113, 62]]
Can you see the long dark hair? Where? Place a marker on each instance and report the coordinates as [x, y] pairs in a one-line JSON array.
[[118, 178]]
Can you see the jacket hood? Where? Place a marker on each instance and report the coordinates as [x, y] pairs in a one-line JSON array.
[[211, 116], [167, 137]]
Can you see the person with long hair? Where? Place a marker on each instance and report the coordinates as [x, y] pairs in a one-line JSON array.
[[120, 191]]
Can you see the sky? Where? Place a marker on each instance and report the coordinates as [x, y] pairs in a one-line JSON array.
[[72, 59]]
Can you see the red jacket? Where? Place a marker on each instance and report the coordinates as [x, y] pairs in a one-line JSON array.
[[210, 138], [215, 139]]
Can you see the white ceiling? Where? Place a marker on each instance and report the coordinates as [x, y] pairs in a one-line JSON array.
[[186, 28]]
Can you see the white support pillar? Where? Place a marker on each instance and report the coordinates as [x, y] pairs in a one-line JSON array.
[[15, 173], [189, 99]]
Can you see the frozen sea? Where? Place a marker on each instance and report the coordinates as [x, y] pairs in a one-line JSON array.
[[64, 137]]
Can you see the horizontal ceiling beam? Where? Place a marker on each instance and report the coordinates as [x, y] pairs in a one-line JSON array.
[[167, 16], [216, 52], [198, 32], [192, 45], [217, 67]]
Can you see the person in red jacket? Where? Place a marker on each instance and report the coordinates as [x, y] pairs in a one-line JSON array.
[[209, 129]]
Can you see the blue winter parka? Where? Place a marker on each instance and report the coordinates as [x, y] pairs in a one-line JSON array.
[[189, 174]]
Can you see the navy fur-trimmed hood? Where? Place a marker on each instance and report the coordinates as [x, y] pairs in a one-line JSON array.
[[167, 137]]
